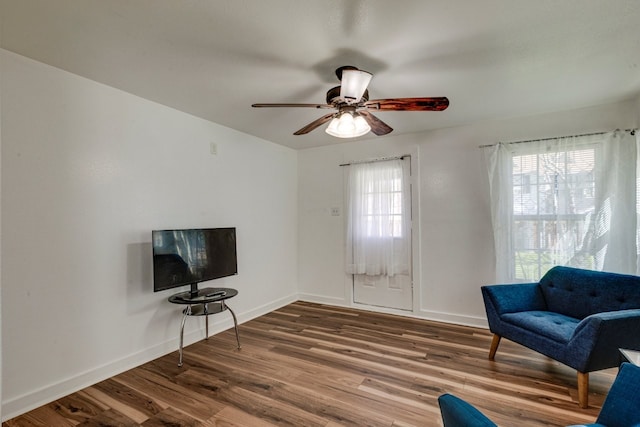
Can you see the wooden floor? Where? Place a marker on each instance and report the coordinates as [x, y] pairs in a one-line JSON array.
[[313, 365]]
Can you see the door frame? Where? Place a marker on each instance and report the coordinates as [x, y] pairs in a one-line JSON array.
[[415, 241]]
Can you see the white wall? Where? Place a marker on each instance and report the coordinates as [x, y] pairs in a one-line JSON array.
[[1, 85], [87, 172], [456, 253], [321, 244]]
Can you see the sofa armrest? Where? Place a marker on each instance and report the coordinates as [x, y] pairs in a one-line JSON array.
[[514, 298], [502, 299], [597, 338]]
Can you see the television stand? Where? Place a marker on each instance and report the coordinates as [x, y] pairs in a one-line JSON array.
[[204, 302]]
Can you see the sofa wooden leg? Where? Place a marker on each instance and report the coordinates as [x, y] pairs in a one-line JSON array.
[[583, 389], [494, 346]]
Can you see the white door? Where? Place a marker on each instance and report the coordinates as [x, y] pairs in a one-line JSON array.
[[380, 211], [383, 291]]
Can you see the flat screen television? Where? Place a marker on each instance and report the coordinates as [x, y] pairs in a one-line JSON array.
[[190, 256]]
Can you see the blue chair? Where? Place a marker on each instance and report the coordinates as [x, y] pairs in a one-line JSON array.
[[621, 408], [458, 413]]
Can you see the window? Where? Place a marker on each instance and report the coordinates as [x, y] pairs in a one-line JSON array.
[[553, 203], [382, 201], [564, 201], [378, 218]]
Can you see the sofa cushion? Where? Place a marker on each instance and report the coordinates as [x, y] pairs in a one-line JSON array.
[[580, 293], [555, 326]]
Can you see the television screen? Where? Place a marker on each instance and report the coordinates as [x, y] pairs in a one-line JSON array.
[[191, 256]]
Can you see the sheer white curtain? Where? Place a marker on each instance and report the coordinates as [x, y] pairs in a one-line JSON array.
[[564, 201], [378, 218]]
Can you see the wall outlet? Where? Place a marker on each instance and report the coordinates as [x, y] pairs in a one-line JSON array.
[[213, 148], [335, 211]]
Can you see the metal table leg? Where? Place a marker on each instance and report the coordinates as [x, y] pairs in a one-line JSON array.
[[186, 312], [206, 321], [235, 322]]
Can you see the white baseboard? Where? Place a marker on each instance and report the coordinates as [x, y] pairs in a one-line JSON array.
[[34, 399], [321, 299], [436, 316], [267, 308], [457, 319], [26, 402]]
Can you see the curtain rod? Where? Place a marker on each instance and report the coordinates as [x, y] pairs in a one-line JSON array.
[[556, 137], [381, 159]]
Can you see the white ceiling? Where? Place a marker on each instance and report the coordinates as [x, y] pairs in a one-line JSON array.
[[214, 58]]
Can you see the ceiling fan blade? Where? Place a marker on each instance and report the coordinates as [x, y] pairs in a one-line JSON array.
[[408, 104], [293, 105], [377, 126], [314, 124]]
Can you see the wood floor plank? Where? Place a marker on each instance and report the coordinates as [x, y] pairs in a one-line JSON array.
[[108, 418], [234, 417], [308, 364], [39, 417], [170, 394], [171, 417], [111, 401]]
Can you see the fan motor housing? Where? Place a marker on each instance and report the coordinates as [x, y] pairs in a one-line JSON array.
[[333, 96]]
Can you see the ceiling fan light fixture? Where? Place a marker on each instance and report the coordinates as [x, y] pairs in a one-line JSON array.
[[348, 125], [353, 84]]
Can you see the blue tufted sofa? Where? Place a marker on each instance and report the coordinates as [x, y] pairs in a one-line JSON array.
[[577, 317]]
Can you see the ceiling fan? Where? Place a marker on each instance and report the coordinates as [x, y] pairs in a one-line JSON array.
[[351, 100]]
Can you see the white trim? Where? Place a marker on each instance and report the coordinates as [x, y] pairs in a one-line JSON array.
[[456, 319], [434, 316], [416, 270], [416, 237], [28, 401], [321, 299]]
